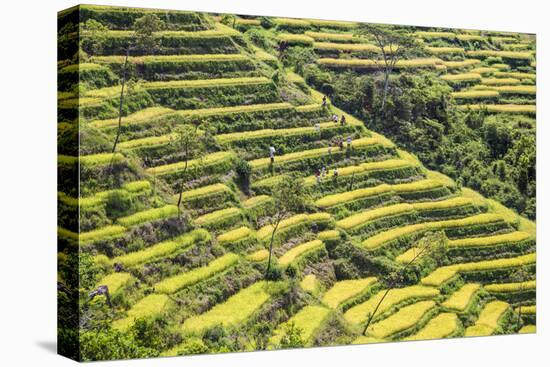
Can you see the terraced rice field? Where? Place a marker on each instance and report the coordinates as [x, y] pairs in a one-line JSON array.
[[201, 268]]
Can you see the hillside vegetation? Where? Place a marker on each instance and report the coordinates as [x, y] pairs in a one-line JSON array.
[[399, 222]]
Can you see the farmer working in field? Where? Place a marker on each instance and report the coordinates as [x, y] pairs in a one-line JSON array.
[[272, 154]]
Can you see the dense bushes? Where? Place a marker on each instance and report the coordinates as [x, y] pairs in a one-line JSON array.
[[486, 152]]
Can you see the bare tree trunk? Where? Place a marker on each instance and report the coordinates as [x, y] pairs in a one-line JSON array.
[[390, 287], [519, 315], [121, 100], [180, 189], [375, 310], [351, 181], [271, 245], [519, 309], [184, 172], [386, 85]]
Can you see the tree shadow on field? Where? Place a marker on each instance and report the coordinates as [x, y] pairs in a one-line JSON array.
[[48, 345]]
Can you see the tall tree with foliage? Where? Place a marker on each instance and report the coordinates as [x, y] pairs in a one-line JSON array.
[[94, 33], [143, 39], [393, 45], [289, 196]]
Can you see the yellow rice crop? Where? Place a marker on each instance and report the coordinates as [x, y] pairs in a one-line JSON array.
[[388, 164], [468, 77], [515, 74], [443, 204], [110, 92], [295, 38], [441, 326], [162, 249], [408, 256], [309, 283], [367, 340], [152, 113], [366, 216], [333, 23], [115, 281], [440, 177], [511, 287], [500, 81], [430, 34], [460, 64], [309, 319], [359, 314], [448, 35], [369, 215], [152, 304], [516, 89], [91, 160], [528, 329], [235, 310], [441, 275], [180, 281], [402, 320], [529, 310], [300, 250], [508, 214], [205, 191], [259, 255], [446, 50], [488, 319], [377, 64], [216, 216], [502, 108], [151, 59], [346, 289], [102, 233], [460, 299], [504, 54], [296, 156], [323, 36], [201, 83], [292, 22], [234, 235], [348, 47], [149, 215], [248, 21], [328, 235], [256, 200], [208, 160], [150, 141], [141, 116], [501, 66], [259, 134], [219, 30], [475, 94], [266, 231], [484, 70], [392, 234], [490, 240], [335, 199]]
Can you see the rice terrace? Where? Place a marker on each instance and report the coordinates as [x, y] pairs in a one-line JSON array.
[[233, 183]]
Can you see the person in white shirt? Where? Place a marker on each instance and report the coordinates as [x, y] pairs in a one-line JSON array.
[[272, 154], [317, 127]]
